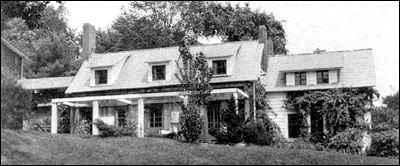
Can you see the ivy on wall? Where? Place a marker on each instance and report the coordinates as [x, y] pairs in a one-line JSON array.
[[338, 107]]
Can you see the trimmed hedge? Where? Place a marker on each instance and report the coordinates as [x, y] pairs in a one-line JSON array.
[[115, 131]]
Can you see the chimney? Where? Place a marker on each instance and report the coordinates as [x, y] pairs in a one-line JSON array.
[[268, 46], [88, 41]]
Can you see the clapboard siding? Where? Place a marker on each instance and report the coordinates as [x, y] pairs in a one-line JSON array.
[[278, 112]]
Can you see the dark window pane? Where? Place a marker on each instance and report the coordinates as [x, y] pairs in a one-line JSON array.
[[158, 72], [322, 77], [300, 78], [219, 67], [294, 127], [101, 77]]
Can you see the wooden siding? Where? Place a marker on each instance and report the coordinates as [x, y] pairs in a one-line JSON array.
[[11, 61], [278, 112]]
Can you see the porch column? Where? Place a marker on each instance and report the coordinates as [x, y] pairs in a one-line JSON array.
[[246, 109], [309, 123], [235, 96], [140, 115], [54, 118], [95, 130], [203, 113]]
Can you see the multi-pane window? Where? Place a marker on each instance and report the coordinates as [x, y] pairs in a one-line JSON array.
[[322, 77], [158, 72], [101, 77], [214, 115], [219, 67], [106, 112], [300, 78], [156, 117], [122, 114]]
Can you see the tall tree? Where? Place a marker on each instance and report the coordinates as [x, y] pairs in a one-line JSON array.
[[30, 11], [392, 101], [53, 48], [154, 24]]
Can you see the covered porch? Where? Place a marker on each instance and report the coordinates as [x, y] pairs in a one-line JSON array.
[[135, 107]]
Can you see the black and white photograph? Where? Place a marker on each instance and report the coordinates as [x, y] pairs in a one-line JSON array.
[[199, 83]]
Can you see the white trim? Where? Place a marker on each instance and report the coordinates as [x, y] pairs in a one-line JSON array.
[[75, 104], [143, 95], [125, 101]]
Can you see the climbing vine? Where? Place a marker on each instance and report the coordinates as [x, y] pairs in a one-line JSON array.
[[338, 107]]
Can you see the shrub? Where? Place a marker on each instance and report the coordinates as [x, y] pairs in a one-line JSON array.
[[233, 122], [348, 141], [191, 123], [15, 102], [385, 143], [384, 119], [64, 119], [115, 131], [84, 128], [256, 133]]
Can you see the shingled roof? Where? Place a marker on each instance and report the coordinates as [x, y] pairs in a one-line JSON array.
[[357, 69], [247, 59], [46, 83]]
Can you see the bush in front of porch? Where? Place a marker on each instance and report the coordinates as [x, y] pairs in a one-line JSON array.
[[115, 131]]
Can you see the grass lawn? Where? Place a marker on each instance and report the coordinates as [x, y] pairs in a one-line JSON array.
[[19, 147]]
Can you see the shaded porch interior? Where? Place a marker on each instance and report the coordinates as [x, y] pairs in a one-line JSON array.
[[153, 113]]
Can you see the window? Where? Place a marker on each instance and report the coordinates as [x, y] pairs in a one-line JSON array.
[[106, 112], [219, 67], [156, 116], [122, 114], [214, 115], [101, 77], [158, 72], [322, 77], [294, 127], [300, 78]]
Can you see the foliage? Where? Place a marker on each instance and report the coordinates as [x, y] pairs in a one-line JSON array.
[[232, 119], [348, 141], [392, 101], [64, 119], [385, 132], [194, 76], [84, 128], [241, 23], [15, 102], [338, 107], [154, 24], [256, 133], [191, 123], [30, 11], [115, 131], [384, 118], [385, 143], [53, 48]]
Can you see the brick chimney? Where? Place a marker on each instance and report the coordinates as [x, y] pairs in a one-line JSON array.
[[268, 46], [88, 41]]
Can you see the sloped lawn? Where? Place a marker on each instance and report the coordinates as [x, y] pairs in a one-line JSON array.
[[18, 147]]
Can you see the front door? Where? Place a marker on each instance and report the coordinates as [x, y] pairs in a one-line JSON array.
[[317, 123]]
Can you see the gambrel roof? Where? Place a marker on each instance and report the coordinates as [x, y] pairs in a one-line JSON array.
[[46, 83], [134, 72], [357, 69]]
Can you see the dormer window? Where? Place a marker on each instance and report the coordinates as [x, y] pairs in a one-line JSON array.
[[158, 72], [300, 78], [323, 77], [101, 77], [219, 67]]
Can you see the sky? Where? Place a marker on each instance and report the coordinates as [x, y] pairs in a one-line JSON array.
[[330, 26]]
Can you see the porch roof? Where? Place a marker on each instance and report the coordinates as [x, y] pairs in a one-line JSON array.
[[146, 95]]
